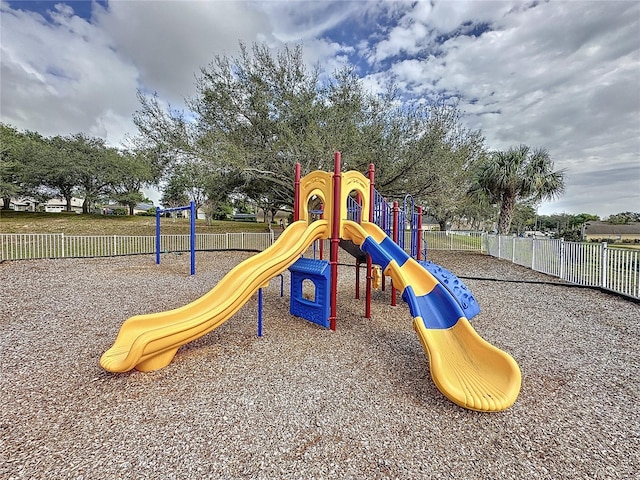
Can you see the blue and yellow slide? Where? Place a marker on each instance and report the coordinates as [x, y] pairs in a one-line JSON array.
[[466, 368]]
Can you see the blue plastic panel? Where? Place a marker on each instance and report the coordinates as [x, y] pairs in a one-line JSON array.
[[456, 287], [378, 255], [318, 272], [437, 308]]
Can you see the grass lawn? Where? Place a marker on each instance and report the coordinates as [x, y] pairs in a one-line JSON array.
[[625, 246], [89, 224]]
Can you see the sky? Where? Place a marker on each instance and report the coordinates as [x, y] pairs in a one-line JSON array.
[[559, 75]]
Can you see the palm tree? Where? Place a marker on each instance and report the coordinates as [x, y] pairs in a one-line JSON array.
[[517, 175]]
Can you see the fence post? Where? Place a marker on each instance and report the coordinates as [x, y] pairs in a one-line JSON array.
[[533, 252], [62, 242], [604, 265], [562, 255], [115, 245], [513, 249]]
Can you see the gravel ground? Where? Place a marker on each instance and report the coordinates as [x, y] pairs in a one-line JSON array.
[[303, 402]]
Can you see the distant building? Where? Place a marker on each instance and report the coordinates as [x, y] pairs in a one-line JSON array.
[[58, 205], [606, 232], [142, 208], [21, 204]]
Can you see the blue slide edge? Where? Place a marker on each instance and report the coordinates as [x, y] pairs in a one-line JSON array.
[[456, 287], [439, 309]]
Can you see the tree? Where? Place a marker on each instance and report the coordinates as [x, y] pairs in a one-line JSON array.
[[165, 137], [174, 193], [624, 218], [94, 166], [524, 218], [131, 172], [261, 112], [11, 146], [444, 175], [477, 213], [51, 169], [218, 188], [517, 175]]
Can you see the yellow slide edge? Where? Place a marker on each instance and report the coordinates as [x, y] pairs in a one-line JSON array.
[[467, 369], [149, 342]]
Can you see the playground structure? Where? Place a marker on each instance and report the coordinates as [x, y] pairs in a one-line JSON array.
[[466, 369]]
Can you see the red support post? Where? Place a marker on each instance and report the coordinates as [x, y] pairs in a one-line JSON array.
[[419, 239], [321, 240], [296, 194], [372, 182], [367, 308], [395, 239], [335, 238]]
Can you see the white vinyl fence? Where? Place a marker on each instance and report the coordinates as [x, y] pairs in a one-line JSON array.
[[589, 264], [24, 246], [453, 240]]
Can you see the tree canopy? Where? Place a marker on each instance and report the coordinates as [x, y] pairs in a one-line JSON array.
[[77, 165], [255, 115], [518, 174]]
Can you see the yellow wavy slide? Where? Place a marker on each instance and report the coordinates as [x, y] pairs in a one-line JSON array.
[[467, 369], [149, 342]]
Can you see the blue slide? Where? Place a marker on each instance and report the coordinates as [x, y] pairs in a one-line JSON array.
[[467, 369]]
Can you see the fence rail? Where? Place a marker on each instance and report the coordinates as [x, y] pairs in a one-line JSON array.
[[589, 264], [25, 246], [452, 240]]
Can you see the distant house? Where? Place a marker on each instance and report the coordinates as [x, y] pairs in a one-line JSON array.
[[21, 204], [142, 208], [607, 232], [57, 205], [112, 209], [200, 213]]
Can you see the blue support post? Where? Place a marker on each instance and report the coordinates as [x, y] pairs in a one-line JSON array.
[[260, 312], [158, 210], [192, 233]]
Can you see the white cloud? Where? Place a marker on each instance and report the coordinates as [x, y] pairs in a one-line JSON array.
[[408, 38], [63, 77], [169, 41], [562, 76], [558, 75], [295, 22]]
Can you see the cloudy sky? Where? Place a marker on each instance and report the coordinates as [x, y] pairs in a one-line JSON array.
[[562, 75]]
